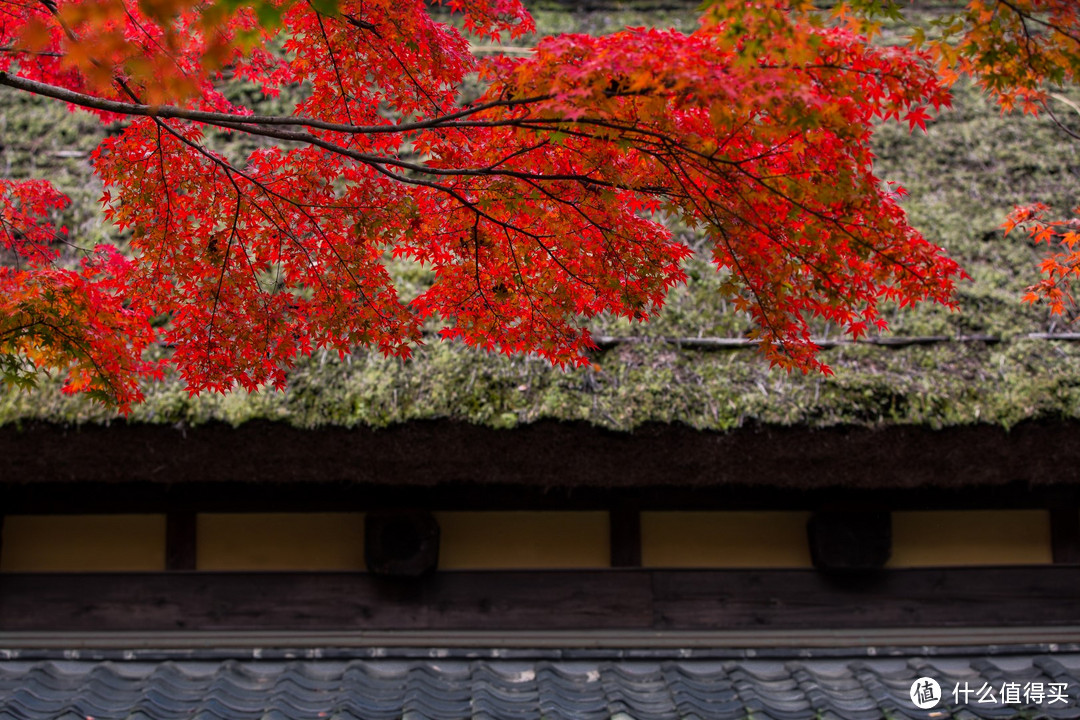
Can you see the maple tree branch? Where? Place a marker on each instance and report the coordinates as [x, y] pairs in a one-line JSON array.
[[251, 124], [576, 208], [844, 226], [165, 51], [711, 213], [408, 73], [383, 161], [228, 169], [361, 24], [1057, 121], [476, 267], [337, 70], [529, 235], [80, 346], [173, 112], [37, 53], [1024, 15], [244, 124], [233, 233]]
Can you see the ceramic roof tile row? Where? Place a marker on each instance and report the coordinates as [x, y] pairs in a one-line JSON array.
[[523, 690]]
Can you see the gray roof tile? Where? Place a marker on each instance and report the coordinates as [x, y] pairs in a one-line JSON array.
[[460, 689]]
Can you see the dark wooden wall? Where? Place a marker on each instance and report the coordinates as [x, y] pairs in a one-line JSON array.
[[543, 600]]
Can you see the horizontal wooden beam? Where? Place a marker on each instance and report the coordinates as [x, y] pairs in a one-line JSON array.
[[82, 498], [669, 600]]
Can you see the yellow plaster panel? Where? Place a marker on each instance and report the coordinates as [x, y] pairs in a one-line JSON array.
[[83, 543], [724, 539], [971, 537], [481, 540], [280, 541]]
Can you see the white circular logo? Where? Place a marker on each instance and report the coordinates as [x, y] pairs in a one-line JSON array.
[[925, 693]]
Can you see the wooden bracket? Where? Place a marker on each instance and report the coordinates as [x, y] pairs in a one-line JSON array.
[[625, 538], [850, 540], [1065, 531], [180, 541], [401, 543]]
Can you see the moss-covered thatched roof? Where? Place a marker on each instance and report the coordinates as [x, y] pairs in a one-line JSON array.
[[963, 178]]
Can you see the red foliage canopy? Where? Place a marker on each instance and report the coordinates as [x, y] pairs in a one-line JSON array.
[[536, 205]]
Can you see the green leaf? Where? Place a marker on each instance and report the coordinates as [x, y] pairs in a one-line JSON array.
[[268, 15], [326, 7]]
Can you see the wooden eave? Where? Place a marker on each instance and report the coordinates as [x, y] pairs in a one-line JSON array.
[[547, 465]]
